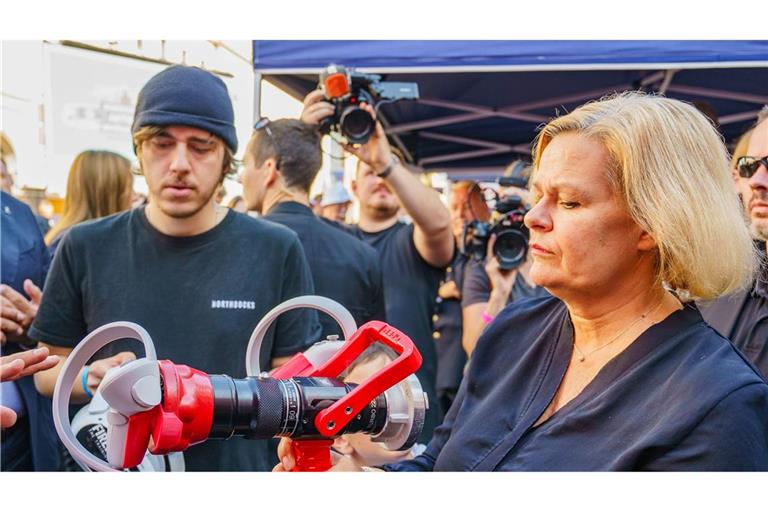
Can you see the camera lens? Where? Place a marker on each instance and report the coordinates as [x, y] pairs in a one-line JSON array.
[[510, 248], [356, 125], [261, 408]]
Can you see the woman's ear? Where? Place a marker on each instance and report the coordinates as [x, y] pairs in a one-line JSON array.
[[646, 242], [343, 446]]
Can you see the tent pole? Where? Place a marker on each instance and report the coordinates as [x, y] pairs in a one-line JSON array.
[[256, 96]]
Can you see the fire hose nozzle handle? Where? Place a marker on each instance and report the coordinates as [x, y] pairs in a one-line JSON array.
[[132, 392]]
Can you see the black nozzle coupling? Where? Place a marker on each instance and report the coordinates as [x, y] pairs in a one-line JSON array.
[[263, 407]]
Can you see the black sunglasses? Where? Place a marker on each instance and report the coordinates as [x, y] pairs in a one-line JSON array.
[[263, 124], [748, 165]]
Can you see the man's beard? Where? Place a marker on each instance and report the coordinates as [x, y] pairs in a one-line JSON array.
[[384, 211]]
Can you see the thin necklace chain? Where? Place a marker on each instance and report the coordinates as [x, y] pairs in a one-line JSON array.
[[582, 356]]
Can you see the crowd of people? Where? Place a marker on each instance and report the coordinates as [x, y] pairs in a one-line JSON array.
[[632, 335]]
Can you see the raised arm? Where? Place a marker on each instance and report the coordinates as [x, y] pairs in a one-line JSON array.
[[432, 221]]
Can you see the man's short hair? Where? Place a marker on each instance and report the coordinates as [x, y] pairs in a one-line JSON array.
[[295, 145], [142, 135]]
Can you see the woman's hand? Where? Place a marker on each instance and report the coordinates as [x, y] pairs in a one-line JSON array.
[[288, 461]]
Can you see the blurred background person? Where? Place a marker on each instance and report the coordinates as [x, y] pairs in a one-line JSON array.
[[447, 321], [100, 183], [743, 316], [335, 203], [237, 203], [7, 156], [221, 193], [138, 200], [316, 204], [487, 288], [7, 153]]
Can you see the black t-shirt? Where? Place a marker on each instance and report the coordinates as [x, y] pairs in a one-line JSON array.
[[451, 357], [679, 398], [198, 297], [410, 288], [477, 286], [344, 268]]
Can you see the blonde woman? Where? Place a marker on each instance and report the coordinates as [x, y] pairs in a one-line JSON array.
[[100, 183], [633, 215]]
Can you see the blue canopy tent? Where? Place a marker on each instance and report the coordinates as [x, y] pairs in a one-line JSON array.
[[482, 101]]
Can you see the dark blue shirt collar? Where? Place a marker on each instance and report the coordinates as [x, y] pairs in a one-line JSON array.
[[290, 207]]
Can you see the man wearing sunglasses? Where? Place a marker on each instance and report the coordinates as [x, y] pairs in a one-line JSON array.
[[743, 317], [197, 276], [281, 161]]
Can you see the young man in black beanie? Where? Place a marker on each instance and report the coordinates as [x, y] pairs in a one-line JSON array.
[[198, 277]]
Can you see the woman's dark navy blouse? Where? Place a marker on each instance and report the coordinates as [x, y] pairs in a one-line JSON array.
[[680, 398]]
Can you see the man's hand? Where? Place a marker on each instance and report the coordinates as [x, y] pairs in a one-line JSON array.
[[316, 108], [98, 369], [501, 280], [18, 365], [16, 312]]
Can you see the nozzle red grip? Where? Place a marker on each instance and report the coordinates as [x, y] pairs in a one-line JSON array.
[[137, 437], [312, 455]]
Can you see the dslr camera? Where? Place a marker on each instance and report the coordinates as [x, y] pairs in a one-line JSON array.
[[347, 89], [501, 217]]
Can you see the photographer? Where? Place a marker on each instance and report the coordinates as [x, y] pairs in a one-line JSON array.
[[487, 287], [413, 256]]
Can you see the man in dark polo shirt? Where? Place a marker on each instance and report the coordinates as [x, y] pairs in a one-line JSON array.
[[413, 256], [743, 317], [197, 276], [281, 162]]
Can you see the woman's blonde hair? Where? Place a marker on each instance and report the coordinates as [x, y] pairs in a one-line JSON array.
[[670, 166], [100, 183]]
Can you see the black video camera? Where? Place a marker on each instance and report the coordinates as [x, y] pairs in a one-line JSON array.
[[500, 217], [346, 90]]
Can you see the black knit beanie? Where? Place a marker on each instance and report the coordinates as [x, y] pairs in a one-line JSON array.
[[187, 96]]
